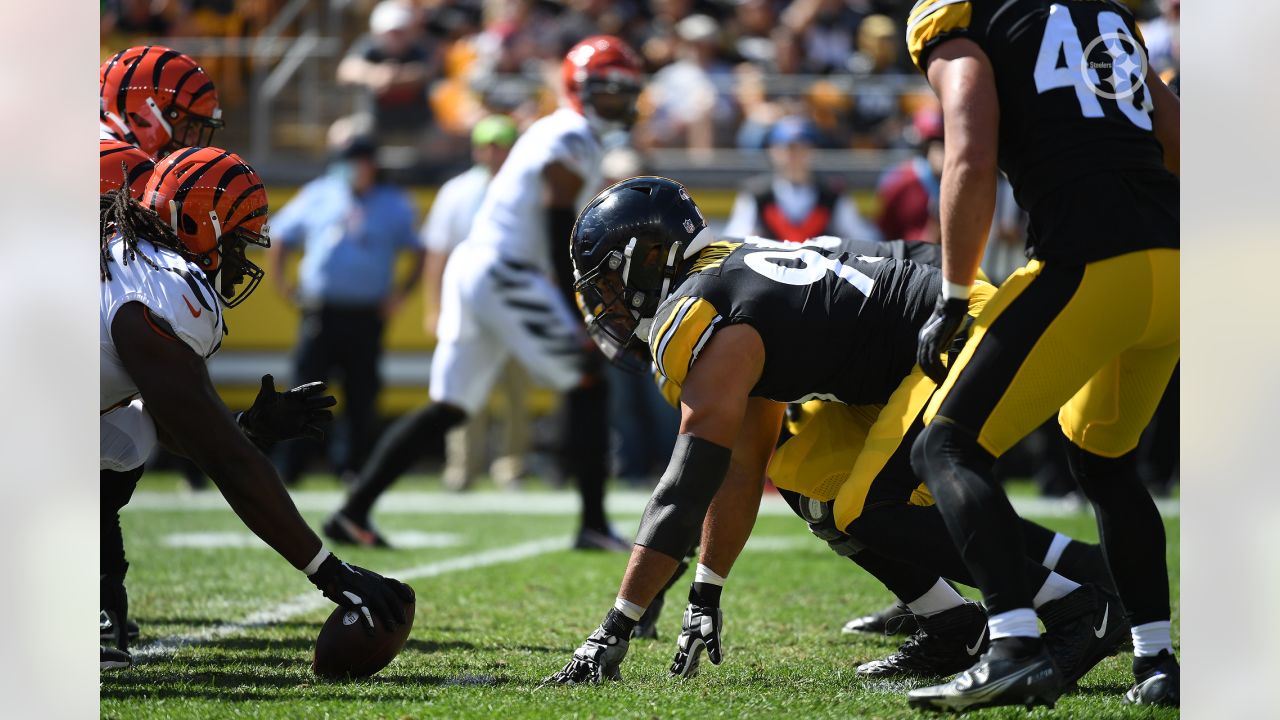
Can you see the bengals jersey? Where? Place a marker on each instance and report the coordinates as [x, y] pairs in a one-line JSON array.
[[1076, 134], [835, 326], [174, 291]]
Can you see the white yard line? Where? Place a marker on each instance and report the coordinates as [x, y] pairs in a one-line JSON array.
[[627, 502], [312, 601]]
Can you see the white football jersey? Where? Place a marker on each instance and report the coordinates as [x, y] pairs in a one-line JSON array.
[[177, 292], [512, 219]]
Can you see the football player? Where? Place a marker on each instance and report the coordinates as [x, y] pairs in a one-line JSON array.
[[1059, 96], [736, 331], [158, 99], [168, 268], [507, 293]]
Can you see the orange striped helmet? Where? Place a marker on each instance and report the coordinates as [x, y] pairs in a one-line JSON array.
[[123, 163], [158, 99], [217, 205]]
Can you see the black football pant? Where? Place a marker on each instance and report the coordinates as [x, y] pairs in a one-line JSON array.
[[116, 488], [406, 441], [585, 446], [347, 339]]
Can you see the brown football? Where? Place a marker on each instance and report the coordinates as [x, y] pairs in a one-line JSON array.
[[344, 650]]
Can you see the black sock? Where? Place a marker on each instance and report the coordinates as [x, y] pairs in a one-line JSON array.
[[115, 488], [977, 513], [403, 443], [586, 449], [1131, 530]]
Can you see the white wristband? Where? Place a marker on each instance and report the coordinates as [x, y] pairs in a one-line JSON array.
[[956, 291], [316, 561], [628, 608]]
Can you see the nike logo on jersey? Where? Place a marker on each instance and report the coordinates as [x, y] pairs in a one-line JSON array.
[[974, 649], [1102, 629], [194, 312]]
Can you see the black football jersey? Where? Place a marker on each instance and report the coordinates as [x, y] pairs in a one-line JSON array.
[[835, 326], [1076, 136]]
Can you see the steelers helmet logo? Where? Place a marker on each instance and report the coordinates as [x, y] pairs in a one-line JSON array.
[[689, 226], [1114, 66]]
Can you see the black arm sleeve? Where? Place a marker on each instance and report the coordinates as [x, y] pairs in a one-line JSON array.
[[559, 229], [673, 517]]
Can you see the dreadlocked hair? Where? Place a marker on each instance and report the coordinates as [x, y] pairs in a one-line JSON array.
[[119, 213]]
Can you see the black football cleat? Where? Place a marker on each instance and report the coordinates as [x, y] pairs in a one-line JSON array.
[[1082, 628], [946, 643], [600, 539], [113, 659], [896, 619], [1158, 681], [348, 531], [996, 680], [108, 629]]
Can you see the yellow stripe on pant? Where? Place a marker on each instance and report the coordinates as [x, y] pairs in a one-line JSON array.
[[1097, 347]]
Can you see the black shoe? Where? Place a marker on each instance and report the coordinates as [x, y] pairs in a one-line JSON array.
[[946, 643], [113, 659], [1158, 680], [108, 629], [995, 680], [600, 539], [1081, 628], [895, 619], [345, 530]]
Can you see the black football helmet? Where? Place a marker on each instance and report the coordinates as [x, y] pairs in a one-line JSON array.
[[631, 246]]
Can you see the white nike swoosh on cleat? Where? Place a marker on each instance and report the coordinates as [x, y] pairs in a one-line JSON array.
[[1101, 630], [974, 650]]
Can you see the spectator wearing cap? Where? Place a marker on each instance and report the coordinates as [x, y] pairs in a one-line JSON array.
[[908, 191], [792, 203], [350, 226], [392, 66], [447, 224], [682, 100]]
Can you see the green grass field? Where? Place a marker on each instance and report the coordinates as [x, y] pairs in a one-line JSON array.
[[501, 606]]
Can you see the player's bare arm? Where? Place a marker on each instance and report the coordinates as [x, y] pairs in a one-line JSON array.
[[1166, 120], [713, 405], [175, 385], [962, 76], [965, 82]]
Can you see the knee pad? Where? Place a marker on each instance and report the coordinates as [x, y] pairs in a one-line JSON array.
[[127, 437], [1098, 475], [943, 444]]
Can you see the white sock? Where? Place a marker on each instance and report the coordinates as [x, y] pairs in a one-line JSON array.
[[1150, 638], [1015, 623], [938, 598], [1054, 587], [628, 608], [705, 574], [1054, 553]]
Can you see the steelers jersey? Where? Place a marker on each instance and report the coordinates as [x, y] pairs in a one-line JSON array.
[[834, 326], [1075, 132], [174, 290]]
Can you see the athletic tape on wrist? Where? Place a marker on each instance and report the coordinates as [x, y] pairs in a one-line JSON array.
[[952, 291], [628, 608], [316, 561], [705, 574]]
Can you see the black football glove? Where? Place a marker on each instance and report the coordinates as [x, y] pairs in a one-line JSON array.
[[598, 658], [700, 630], [938, 334], [275, 416], [366, 592]]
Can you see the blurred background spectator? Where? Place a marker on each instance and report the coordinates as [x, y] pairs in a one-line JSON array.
[[466, 447], [392, 66], [908, 192], [349, 226], [792, 203]]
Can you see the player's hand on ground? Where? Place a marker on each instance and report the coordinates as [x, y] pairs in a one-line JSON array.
[[596, 660], [699, 631], [300, 412], [368, 593], [937, 335]]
